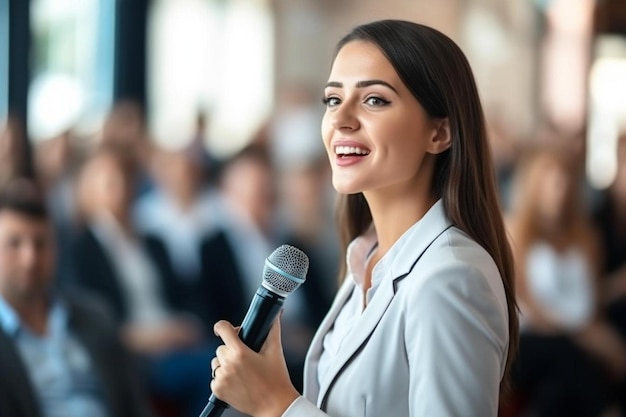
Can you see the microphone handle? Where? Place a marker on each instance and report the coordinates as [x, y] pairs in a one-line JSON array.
[[214, 408], [256, 325]]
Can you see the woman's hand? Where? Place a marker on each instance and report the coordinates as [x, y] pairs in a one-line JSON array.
[[257, 384]]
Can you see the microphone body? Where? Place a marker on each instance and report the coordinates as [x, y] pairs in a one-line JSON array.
[[278, 282]]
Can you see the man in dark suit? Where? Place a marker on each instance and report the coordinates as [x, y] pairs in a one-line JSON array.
[[59, 352]]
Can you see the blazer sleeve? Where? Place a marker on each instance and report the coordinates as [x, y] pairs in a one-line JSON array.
[[302, 407], [456, 341]]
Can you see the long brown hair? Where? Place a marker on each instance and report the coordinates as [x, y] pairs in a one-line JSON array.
[[438, 74]]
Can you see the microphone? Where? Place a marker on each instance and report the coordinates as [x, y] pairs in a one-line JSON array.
[[284, 271]]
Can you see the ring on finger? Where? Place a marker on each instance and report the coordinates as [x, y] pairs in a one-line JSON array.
[[214, 370]]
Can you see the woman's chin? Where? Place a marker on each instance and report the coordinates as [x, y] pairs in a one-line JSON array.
[[343, 188]]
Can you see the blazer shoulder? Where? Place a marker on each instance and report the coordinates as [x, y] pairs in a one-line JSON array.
[[457, 252], [458, 262]]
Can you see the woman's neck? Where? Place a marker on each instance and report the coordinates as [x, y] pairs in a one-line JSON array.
[[394, 215]]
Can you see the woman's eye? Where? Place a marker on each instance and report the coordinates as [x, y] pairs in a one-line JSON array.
[[376, 101], [331, 101]]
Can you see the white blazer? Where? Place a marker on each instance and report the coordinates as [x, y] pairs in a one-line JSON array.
[[432, 342]]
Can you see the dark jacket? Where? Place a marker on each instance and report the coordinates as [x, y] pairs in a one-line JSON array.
[[90, 322], [92, 269], [225, 279]]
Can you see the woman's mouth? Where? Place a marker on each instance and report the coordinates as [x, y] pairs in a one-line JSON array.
[[346, 151]]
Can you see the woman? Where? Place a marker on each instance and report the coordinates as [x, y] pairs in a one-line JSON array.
[[424, 323], [567, 349]]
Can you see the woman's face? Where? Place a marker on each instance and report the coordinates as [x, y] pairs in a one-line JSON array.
[[376, 133]]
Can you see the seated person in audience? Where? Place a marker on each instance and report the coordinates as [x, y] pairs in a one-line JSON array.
[[570, 361], [180, 212], [233, 257], [133, 274], [60, 354]]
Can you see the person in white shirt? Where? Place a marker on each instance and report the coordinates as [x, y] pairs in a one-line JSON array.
[[571, 360], [425, 321], [133, 274]]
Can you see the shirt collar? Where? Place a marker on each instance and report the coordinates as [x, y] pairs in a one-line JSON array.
[[403, 253], [11, 323], [9, 320], [358, 253]]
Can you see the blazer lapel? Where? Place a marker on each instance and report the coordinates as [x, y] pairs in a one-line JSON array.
[[311, 386], [361, 332], [396, 264]]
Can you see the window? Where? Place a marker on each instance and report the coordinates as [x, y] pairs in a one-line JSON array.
[[72, 65], [607, 108], [213, 56]]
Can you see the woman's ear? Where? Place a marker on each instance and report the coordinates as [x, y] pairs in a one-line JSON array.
[[441, 138]]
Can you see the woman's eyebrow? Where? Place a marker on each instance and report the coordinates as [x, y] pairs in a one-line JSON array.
[[361, 84]]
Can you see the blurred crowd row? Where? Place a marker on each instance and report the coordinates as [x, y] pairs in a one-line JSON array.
[[569, 242], [174, 240]]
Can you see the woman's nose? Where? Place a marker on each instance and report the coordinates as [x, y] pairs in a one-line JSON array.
[[345, 118]]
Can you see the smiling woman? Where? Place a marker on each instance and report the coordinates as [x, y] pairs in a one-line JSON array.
[[370, 108], [425, 321]]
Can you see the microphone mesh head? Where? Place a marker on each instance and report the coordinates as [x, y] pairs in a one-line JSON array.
[[287, 270]]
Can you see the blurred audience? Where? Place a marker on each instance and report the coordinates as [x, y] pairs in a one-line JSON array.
[[571, 362], [306, 214], [610, 216], [57, 160], [234, 256], [133, 274], [505, 152], [181, 211], [60, 354], [307, 224], [125, 129], [13, 157], [199, 145]]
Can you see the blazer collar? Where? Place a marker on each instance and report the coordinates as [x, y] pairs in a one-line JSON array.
[[395, 265]]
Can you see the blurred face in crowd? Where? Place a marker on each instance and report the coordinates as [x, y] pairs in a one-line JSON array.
[[553, 191], [106, 187], [249, 184], [124, 126], [26, 256], [183, 177], [377, 135]]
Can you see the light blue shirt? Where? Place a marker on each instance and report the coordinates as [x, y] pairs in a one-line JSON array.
[[58, 365]]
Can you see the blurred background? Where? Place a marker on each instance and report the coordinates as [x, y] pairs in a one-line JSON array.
[[193, 125]]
